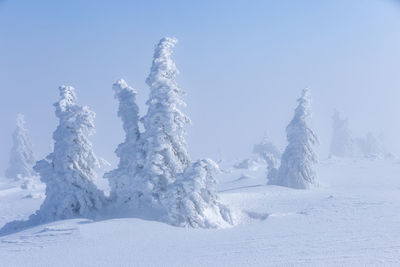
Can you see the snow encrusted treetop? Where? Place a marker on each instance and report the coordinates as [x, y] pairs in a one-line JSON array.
[[297, 130], [128, 111], [163, 66], [21, 154]]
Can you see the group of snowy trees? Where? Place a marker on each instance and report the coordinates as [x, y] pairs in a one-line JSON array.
[[344, 145], [295, 168], [155, 177]]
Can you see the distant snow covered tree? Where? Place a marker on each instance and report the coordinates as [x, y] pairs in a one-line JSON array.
[[164, 136], [266, 148], [193, 201], [21, 155], [342, 144], [124, 182], [371, 147], [272, 168], [68, 171], [297, 163]]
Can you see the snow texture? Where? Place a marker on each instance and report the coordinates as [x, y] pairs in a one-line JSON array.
[[164, 137], [298, 160], [192, 199], [21, 155], [352, 219]]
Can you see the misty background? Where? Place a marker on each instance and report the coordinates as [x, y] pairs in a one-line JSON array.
[[243, 65]]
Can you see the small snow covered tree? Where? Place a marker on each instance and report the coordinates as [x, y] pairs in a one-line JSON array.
[[21, 155], [342, 144], [371, 147], [266, 149], [124, 182], [192, 199], [297, 162], [164, 137], [68, 171], [272, 168]]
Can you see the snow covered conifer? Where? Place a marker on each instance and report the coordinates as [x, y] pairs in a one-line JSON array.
[[297, 162], [68, 170], [123, 180], [342, 144], [192, 199], [21, 155], [164, 136]]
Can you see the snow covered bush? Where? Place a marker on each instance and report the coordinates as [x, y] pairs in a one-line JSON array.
[[68, 171], [342, 144], [192, 199], [124, 183], [21, 155], [297, 163], [164, 137]]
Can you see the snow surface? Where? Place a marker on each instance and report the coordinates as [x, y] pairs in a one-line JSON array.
[[351, 219]]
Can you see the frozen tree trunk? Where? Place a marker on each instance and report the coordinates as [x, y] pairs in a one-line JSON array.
[[164, 137], [298, 160], [192, 200], [342, 144], [124, 182], [21, 155], [68, 171]]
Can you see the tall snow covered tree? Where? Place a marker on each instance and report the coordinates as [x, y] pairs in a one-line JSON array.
[[124, 183], [164, 136], [342, 144], [297, 163], [193, 201], [68, 171], [21, 155]]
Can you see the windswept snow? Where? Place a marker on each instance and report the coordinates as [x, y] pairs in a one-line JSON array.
[[352, 219]]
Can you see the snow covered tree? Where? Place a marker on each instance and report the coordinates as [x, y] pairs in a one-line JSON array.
[[164, 137], [272, 168], [192, 198], [297, 163], [342, 144], [266, 149], [124, 182], [371, 147], [68, 170], [21, 155]]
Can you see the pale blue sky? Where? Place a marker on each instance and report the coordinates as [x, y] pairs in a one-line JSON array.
[[242, 63]]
